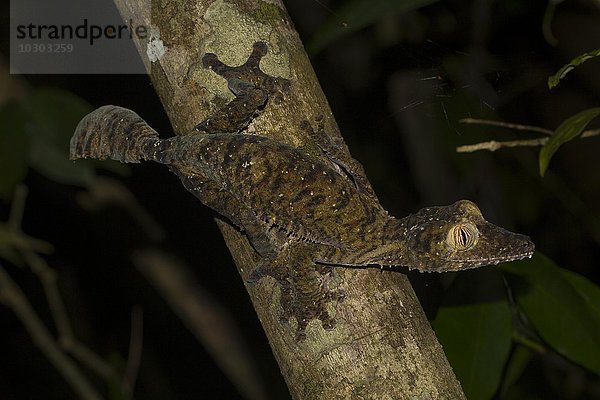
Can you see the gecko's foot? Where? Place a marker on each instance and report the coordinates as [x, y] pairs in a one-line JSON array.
[[319, 136], [251, 86], [306, 299], [305, 289]]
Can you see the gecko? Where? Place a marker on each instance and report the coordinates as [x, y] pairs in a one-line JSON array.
[[304, 214]]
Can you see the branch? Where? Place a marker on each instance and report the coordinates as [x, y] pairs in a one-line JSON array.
[[508, 125], [47, 277], [493, 145], [12, 296], [104, 192], [66, 338], [383, 344]]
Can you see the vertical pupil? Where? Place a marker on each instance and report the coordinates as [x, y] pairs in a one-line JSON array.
[[463, 237]]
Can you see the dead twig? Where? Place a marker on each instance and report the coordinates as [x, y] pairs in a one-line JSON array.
[[12, 296], [494, 145]]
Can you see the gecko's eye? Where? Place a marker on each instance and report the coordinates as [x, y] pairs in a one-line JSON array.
[[462, 236]]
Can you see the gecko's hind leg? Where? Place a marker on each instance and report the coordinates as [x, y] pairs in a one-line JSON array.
[[338, 157], [305, 286], [266, 242]]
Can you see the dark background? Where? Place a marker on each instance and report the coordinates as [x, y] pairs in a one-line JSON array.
[[397, 88]]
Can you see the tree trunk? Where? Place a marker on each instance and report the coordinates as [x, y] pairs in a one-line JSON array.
[[383, 346]]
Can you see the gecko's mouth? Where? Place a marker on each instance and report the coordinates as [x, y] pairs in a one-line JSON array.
[[502, 255], [516, 257]]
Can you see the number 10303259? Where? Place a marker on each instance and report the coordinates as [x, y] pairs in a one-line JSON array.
[[45, 48]]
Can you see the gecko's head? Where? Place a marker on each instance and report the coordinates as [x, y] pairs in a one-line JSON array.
[[457, 237]]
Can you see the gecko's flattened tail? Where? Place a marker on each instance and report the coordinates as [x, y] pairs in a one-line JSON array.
[[113, 132]]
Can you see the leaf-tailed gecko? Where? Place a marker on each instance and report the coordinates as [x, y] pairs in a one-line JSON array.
[[302, 214]]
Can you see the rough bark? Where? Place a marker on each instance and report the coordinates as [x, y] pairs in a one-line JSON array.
[[383, 346]]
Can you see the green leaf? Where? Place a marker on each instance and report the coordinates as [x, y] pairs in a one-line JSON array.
[[560, 314], [569, 129], [519, 359], [53, 115], [475, 329], [357, 14], [555, 79], [588, 291], [13, 148], [114, 383]]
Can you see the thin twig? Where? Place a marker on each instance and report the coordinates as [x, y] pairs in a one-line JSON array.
[[13, 233], [19, 240], [135, 351], [17, 208], [66, 338], [518, 127], [110, 192], [87, 357], [47, 276], [494, 145], [12, 296], [590, 133]]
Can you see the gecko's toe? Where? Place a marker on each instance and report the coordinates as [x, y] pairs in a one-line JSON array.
[[337, 295], [209, 60], [260, 47], [259, 272], [305, 307], [327, 321], [301, 331]]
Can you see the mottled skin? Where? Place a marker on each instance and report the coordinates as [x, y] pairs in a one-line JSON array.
[[302, 214]]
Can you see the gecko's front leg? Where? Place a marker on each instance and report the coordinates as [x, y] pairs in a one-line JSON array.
[[252, 89]]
